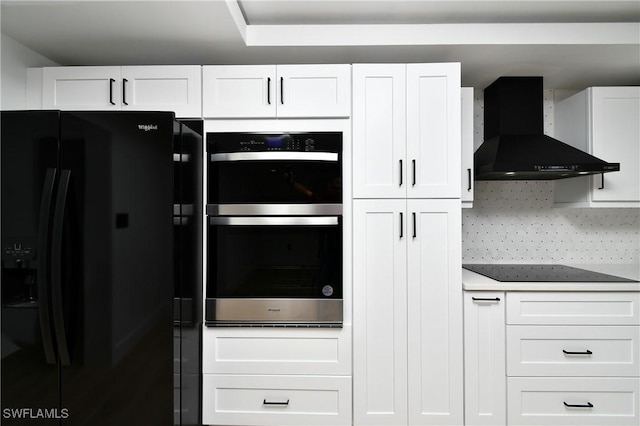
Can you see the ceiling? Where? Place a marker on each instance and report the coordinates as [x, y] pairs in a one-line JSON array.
[[572, 44]]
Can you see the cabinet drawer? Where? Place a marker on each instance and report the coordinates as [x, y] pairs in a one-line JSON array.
[[573, 351], [573, 401], [276, 400], [277, 351], [565, 308]]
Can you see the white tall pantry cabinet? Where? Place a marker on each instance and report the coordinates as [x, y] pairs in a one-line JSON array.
[[408, 351]]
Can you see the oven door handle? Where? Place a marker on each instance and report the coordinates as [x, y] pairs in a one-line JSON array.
[[275, 156], [274, 220]]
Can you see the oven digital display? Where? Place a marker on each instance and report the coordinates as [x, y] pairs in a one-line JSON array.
[[274, 142]]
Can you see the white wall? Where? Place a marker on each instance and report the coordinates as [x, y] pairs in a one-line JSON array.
[[15, 58]]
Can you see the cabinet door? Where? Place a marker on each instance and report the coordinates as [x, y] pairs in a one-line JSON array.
[[380, 315], [615, 138], [242, 91], [162, 88], [313, 91], [434, 309], [484, 360], [467, 146], [433, 130], [379, 131], [81, 88]]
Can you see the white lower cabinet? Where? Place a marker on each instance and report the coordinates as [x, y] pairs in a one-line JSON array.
[[572, 358], [276, 376], [484, 364], [276, 400], [573, 401], [407, 346]]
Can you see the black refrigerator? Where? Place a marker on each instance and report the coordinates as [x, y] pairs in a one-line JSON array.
[[101, 268]]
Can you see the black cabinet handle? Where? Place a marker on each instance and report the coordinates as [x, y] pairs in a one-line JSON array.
[[414, 172], [401, 224], [265, 402], [124, 93], [587, 405], [400, 173], [485, 299], [469, 179], [111, 81], [414, 225], [601, 181], [587, 352], [268, 90], [282, 90]]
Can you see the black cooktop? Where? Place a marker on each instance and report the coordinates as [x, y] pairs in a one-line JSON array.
[[540, 273]]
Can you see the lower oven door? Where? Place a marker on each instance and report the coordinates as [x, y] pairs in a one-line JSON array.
[[274, 270]]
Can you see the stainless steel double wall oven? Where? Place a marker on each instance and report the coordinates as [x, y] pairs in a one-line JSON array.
[[274, 239]]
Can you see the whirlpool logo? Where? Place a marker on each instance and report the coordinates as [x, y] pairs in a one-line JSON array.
[[147, 127]]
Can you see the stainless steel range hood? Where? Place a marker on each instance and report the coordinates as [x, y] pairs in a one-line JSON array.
[[515, 146]]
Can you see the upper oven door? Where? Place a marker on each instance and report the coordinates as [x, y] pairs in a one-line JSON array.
[[248, 168]]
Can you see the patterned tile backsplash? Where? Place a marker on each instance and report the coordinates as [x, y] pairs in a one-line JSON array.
[[515, 222]]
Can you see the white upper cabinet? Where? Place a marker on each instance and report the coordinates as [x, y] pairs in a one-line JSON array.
[[163, 88], [379, 131], [433, 130], [81, 88], [604, 122], [282, 91], [314, 91], [467, 147], [242, 91], [136, 88], [406, 139]]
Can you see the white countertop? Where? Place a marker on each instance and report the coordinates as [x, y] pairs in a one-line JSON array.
[[476, 282]]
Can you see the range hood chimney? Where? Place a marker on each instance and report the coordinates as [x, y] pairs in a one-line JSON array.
[[515, 146]]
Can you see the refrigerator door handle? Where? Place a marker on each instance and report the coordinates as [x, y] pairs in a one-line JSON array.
[[43, 266], [56, 268]]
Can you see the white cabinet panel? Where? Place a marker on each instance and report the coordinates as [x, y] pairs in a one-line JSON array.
[[239, 91], [276, 400], [434, 300], [407, 312], [407, 130], [135, 88], [163, 88], [573, 401], [433, 130], [573, 351], [573, 308], [81, 88], [615, 138], [484, 359], [282, 91], [380, 312], [314, 91], [379, 131], [466, 127], [277, 351], [604, 122]]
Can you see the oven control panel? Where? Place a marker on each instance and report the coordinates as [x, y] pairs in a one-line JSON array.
[[264, 142]]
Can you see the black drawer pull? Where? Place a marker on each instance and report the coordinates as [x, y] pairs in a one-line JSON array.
[[587, 352], [587, 405], [485, 299], [265, 402]]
